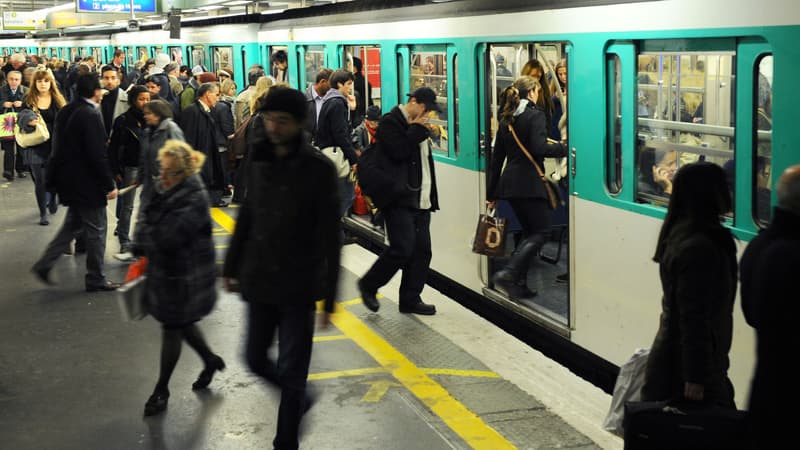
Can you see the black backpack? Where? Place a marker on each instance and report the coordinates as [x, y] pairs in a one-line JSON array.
[[376, 177]]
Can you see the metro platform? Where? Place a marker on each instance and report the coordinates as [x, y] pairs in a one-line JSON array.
[[74, 375]]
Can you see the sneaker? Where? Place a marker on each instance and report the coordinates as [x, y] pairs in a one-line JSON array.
[[125, 256]]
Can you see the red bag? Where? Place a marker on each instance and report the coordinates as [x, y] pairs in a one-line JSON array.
[[136, 269], [360, 203]]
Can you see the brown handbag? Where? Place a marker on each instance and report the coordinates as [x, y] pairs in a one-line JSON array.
[[490, 236], [553, 195]]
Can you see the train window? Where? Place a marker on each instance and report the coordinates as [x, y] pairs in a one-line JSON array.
[[279, 63], [614, 146], [199, 56], [429, 68], [73, 54], [456, 142], [314, 60], [222, 59], [142, 54], [365, 59], [97, 52], [176, 55], [685, 114], [762, 164]]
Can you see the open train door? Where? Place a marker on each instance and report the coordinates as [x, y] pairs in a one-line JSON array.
[[548, 273]]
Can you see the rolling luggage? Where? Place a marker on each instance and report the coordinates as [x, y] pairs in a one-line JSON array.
[[659, 425]]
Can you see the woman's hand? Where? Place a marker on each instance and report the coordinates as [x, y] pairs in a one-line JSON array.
[[491, 204], [33, 122], [661, 177]]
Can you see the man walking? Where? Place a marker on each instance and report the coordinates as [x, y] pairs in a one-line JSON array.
[[402, 143], [11, 97], [314, 96], [80, 174], [284, 253], [200, 130]]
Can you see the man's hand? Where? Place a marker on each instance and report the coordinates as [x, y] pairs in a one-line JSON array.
[[351, 101], [7, 104], [113, 194], [17, 103]]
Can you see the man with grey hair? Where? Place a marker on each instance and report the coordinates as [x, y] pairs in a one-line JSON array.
[[12, 94], [15, 62], [769, 302]]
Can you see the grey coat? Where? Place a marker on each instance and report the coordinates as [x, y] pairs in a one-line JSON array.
[[176, 238], [151, 143]]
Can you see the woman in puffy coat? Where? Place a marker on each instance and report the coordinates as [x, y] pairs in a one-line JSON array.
[[45, 99], [181, 272], [697, 263]]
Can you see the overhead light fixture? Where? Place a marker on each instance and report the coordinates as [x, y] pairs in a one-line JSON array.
[[237, 3], [190, 10], [211, 7]]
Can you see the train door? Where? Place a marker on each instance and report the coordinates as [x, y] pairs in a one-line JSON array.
[[312, 59], [199, 56], [368, 87], [222, 59], [546, 274], [176, 55], [279, 63]]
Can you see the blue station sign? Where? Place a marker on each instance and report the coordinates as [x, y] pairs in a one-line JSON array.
[[117, 6]]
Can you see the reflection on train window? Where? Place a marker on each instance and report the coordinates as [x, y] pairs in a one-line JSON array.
[[73, 54], [685, 113], [158, 49], [222, 59], [314, 60], [176, 55], [762, 164], [429, 68], [368, 83], [456, 147], [97, 52], [142, 54], [279, 63], [199, 56], [614, 146]]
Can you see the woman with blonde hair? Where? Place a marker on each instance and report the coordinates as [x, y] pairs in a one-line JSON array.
[[42, 102], [181, 272], [520, 183], [262, 89]]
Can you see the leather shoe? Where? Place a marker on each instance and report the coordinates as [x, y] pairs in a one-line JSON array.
[[368, 298], [157, 403], [43, 275], [207, 374], [420, 308], [107, 286]]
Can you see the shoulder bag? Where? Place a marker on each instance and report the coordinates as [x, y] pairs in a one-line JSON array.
[[553, 196], [7, 122], [37, 136], [336, 155]]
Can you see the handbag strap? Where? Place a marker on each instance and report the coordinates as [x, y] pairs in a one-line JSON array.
[[525, 151]]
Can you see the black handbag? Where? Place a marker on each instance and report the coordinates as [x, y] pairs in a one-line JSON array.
[[490, 235], [662, 426]]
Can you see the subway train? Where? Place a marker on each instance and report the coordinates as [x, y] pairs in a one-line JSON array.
[[650, 84]]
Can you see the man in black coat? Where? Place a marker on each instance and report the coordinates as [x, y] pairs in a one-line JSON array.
[[769, 302], [402, 140], [284, 253], [12, 95], [200, 130], [79, 172]]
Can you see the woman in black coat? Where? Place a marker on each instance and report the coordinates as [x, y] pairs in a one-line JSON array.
[[520, 183], [181, 272], [697, 264]]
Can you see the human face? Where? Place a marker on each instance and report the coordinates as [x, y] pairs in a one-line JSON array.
[[118, 60], [346, 88], [152, 88], [14, 81], [669, 164], [533, 94], [323, 87], [282, 128], [141, 100], [211, 98], [43, 85], [110, 80], [151, 119], [536, 74], [562, 75], [169, 176]]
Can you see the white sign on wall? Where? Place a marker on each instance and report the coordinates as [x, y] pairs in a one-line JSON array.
[[27, 21]]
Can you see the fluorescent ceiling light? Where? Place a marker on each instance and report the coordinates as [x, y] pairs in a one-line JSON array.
[[190, 10], [211, 7], [237, 2]]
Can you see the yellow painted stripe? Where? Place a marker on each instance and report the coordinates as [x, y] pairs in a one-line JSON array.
[[461, 373], [225, 221], [357, 301], [346, 373], [475, 432], [335, 337]]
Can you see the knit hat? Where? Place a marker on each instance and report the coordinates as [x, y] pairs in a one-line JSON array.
[[206, 77], [285, 99], [374, 112], [170, 67]]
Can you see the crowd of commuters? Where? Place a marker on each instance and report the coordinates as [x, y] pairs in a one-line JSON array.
[[122, 130]]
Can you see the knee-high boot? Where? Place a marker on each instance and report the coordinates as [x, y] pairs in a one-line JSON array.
[[512, 278]]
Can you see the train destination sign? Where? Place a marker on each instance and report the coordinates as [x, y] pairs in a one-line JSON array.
[[117, 6]]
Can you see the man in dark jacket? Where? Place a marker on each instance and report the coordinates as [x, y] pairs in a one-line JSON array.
[[118, 61], [402, 140], [79, 172], [315, 95], [12, 95], [768, 274], [200, 130], [115, 101], [283, 266]]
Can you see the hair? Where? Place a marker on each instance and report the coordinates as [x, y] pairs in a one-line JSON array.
[[513, 95], [358, 65], [263, 86], [699, 197], [254, 74], [133, 94], [226, 86], [17, 57], [118, 52], [160, 108], [280, 57], [545, 101], [557, 82], [205, 88], [86, 84], [185, 69], [340, 76], [285, 99], [789, 189], [109, 68], [32, 98], [323, 74], [187, 160]]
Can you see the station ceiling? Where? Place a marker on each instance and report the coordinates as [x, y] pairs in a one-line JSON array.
[[188, 7]]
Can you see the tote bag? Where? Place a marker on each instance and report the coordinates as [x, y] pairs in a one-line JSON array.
[[37, 136], [7, 123]]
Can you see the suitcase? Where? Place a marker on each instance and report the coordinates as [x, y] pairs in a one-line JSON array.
[[658, 425]]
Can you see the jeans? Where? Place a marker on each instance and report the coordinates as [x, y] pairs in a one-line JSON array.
[[125, 206], [347, 194], [409, 249], [295, 324], [38, 174], [92, 221], [12, 158]]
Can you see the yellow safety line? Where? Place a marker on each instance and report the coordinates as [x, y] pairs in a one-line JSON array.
[[460, 372], [475, 432], [225, 221], [335, 337], [357, 301], [346, 373], [220, 246]]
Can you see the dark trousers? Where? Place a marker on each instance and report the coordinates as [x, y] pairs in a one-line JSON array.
[[92, 221], [38, 174], [534, 214], [12, 158], [125, 206], [409, 249], [295, 324]]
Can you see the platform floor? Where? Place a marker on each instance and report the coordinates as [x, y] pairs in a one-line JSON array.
[[73, 375]]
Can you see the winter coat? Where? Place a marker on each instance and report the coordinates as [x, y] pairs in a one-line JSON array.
[[38, 154], [223, 117], [152, 141], [7, 96], [113, 105], [285, 248], [125, 145], [520, 178], [769, 301], [200, 130], [698, 278], [333, 126], [78, 169], [181, 269]]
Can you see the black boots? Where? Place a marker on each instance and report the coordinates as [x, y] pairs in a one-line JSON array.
[[511, 280]]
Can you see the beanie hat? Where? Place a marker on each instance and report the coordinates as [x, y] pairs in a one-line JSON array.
[[162, 59], [206, 77], [285, 99], [374, 112]]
